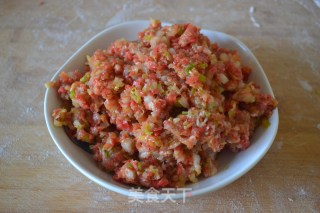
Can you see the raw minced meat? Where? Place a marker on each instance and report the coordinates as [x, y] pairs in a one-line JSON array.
[[157, 110]]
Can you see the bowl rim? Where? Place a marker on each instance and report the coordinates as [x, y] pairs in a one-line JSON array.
[[175, 196]]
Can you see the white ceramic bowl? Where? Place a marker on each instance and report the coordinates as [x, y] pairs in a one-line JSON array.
[[231, 165]]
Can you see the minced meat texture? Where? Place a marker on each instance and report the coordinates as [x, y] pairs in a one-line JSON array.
[[156, 111]]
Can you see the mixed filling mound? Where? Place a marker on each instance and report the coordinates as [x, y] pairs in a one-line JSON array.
[[157, 110]]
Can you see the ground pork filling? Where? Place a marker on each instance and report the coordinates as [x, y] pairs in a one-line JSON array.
[[157, 110]]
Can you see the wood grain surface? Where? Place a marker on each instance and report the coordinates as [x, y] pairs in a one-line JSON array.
[[37, 37]]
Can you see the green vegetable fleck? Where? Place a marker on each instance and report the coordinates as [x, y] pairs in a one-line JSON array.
[[72, 94], [139, 165], [130, 166], [107, 153], [265, 123], [148, 130], [147, 37], [135, 95], [189, 68], [202, 78], [203, 65], [85, 78]]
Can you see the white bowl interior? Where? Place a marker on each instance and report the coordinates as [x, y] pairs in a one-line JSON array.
[[231, 165]]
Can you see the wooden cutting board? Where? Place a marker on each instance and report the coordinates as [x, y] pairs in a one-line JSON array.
[[37, 37]]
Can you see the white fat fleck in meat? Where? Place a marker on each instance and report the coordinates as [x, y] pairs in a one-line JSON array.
[[130, 175], [76, 123], [201, 123], [176, 120], [196, 163], [144, 154], [184, 102], [163, 78], [117, 67], [148, 102], [207, 51], [223, 78], [172, 51], [154, 41], [128, 145], [96, 117]]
